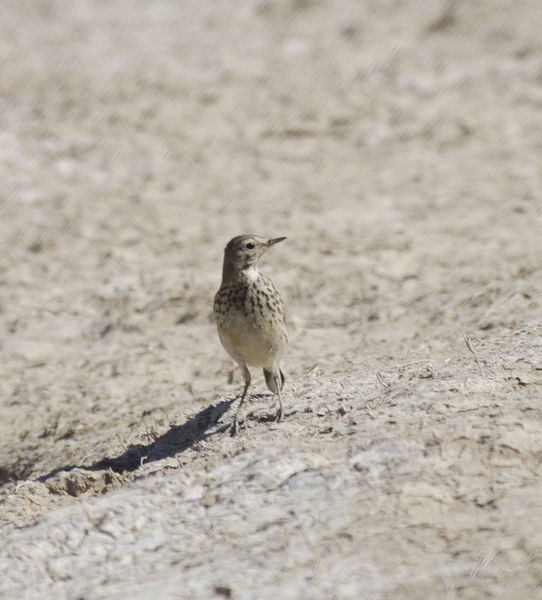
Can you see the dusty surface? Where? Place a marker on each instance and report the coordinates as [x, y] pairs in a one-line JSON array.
[[398, 147]]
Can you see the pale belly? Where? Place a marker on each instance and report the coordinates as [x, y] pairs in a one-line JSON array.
[[257, 346]]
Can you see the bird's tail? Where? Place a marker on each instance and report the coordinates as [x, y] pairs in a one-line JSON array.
[[270, 380]]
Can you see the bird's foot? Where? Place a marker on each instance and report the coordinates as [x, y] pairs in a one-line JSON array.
[[234, 427]]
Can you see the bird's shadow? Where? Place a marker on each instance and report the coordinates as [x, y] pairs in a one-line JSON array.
[[178, 439]]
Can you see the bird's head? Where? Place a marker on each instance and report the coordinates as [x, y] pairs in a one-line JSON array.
[[244, 251]]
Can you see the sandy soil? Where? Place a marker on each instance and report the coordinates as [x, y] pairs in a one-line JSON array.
[[398, 146]]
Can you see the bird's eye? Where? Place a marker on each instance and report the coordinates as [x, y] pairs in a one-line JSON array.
[[249, 246]]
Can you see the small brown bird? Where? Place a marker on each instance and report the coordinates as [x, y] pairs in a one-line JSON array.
[[249, 314]]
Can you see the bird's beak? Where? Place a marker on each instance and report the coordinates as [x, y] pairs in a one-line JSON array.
[[273, 242]]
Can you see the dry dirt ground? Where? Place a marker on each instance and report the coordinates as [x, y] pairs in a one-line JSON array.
[[397, 144]]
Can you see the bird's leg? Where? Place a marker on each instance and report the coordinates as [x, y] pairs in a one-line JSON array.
[[246, 375], [278, 385]]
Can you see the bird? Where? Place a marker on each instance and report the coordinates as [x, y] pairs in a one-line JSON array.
[[249, 315]]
